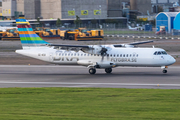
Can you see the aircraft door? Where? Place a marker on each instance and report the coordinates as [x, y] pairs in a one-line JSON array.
[[51, 57]]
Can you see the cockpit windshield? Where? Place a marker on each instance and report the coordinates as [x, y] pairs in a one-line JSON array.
[[160, 53]]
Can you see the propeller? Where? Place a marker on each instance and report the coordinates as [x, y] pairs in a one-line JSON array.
[[103, 52]]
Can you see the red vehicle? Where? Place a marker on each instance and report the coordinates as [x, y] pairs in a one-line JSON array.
[[161, 32]]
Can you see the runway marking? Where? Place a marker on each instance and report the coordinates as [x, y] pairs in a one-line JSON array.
[[67, 83]]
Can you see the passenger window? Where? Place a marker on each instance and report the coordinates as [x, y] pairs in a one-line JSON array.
[[127, 55], [121, 55], [84, 54], [108, 55], [117, 55], [130, 55], [62, 54], [75, 54], [124, 55], [114, 55], [111, 55], [94, 54], [137, 55]]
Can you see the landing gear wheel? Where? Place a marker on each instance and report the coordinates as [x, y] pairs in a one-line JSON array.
[[164, 71], [108, 70], [92, 71]]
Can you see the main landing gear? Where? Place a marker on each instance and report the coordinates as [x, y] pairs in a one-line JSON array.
[[108, 70], [93, 70]]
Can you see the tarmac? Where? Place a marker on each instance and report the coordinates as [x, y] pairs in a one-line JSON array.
[[78, 76]]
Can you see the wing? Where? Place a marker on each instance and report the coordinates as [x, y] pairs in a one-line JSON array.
[[94, 49], [132, 44], [70, 46]]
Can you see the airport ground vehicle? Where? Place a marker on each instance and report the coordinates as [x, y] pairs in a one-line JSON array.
[[81, 34], [47, 33], [9, 34], [161, 32]]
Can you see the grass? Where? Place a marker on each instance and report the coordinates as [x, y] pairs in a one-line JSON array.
[[88, 104]]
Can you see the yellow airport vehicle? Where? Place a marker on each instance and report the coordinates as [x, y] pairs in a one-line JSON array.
[[81, 34], [47, 33], [10, 34]]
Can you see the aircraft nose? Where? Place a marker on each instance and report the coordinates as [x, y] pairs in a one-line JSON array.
[[172, 60]]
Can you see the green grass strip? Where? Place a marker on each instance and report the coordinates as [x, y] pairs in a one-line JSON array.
[[89, 104]]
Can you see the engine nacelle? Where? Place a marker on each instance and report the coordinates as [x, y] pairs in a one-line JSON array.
[[94, 49]]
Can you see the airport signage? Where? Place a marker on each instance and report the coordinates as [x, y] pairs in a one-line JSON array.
[[84, 12], [71, 13], [97, 12]]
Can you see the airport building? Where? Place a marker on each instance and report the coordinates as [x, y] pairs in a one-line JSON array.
[[7, 8], [165, 20], [87, 10], [68, 9]]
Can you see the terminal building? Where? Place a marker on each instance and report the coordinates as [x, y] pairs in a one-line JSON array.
[[67, 9]]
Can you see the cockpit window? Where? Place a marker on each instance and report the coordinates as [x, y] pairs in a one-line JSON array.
[[155, 53], [160, 53], [164, 53]]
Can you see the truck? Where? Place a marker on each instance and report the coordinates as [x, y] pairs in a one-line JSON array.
[[81, 34], [47, 33], [9, 34]]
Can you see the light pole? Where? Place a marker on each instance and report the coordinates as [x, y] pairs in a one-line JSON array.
[[74, 17], [99, 14]]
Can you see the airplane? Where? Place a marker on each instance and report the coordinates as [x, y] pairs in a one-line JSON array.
[[92, 56], [135, 28]]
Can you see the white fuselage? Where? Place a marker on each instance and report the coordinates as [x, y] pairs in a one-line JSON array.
[[116, 57]]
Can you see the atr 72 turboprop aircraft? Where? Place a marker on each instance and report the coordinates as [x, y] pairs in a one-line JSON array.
[[92, 56]]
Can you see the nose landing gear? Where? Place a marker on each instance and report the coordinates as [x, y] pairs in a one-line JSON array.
[[164, 69]]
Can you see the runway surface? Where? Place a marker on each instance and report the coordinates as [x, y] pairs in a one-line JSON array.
[[78, 76]]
